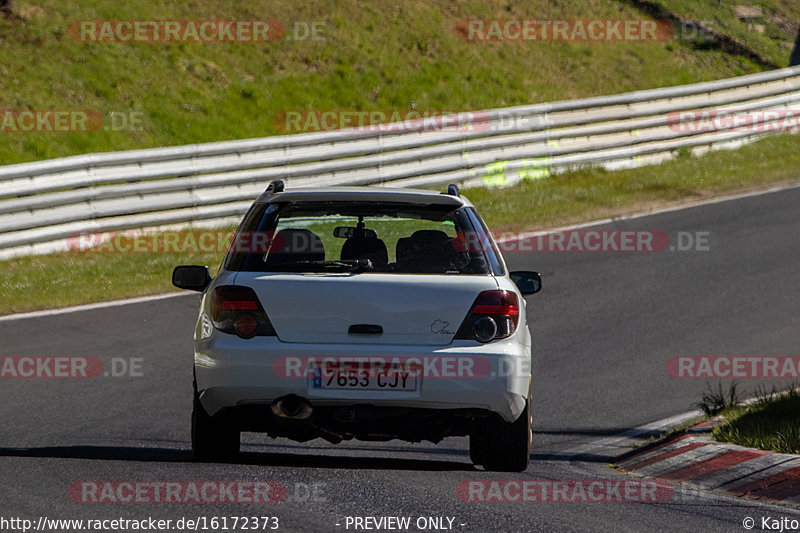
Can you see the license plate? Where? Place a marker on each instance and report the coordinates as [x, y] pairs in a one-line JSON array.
[[365, 379]]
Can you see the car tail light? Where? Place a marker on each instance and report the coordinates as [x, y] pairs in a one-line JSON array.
[[494, 315], [236, 310]]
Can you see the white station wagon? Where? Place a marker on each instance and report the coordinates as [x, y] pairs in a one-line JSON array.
[[363, 312]]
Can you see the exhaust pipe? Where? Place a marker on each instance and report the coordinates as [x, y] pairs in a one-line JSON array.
[[292, 406]]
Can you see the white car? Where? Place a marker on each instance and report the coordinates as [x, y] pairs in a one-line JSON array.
[[363, 312]]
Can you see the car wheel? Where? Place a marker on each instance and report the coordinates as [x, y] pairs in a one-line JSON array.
[[212, 439], [508, 444]]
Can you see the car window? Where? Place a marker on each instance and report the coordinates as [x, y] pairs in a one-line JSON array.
[[362, 237]]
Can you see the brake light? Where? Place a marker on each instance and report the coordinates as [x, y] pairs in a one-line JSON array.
[[238, 311], [246, 305], [505, 310], [494, 315]]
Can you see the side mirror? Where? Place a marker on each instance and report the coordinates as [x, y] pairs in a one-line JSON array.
[[527, 281], [193, 278]]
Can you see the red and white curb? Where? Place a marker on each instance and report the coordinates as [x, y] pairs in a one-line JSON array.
[[697, 461]]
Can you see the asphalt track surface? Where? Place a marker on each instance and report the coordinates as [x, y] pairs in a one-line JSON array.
[[604, 326]]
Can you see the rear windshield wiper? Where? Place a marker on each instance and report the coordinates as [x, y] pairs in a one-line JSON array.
[[354, 266]]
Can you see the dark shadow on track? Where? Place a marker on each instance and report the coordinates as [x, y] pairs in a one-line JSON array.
[[592, 432], [354, 463], [401, 448], [102, 453], [166, 455], [571, 458], [314, 459]]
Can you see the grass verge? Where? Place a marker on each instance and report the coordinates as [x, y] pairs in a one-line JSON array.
[[770, 423], [70, 278]]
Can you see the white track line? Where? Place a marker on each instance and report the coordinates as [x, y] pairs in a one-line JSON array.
[[633, 216], [89, 307]]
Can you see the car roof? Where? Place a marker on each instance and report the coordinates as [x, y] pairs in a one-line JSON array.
[[364, 194]]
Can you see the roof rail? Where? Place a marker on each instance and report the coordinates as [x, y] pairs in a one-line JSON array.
[[275, 186], [452, 190]]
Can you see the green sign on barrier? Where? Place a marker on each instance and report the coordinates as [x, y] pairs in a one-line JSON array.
[[533, 169]]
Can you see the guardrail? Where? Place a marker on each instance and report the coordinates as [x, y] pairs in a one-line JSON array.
[[44, 203]]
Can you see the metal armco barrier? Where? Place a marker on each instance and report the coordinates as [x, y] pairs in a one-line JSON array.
[[43, 203]]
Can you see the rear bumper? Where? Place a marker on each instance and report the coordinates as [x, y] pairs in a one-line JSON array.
[[495, 377]]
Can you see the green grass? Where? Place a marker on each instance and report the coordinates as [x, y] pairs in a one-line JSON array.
[[771, 423], [70, 278], [715, 401], [779, 19], [377, 54]]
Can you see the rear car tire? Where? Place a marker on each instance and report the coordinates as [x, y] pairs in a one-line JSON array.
[[213, 440], [505, 446]]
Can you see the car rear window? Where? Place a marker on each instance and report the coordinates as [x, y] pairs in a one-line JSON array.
[[363, 237]]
